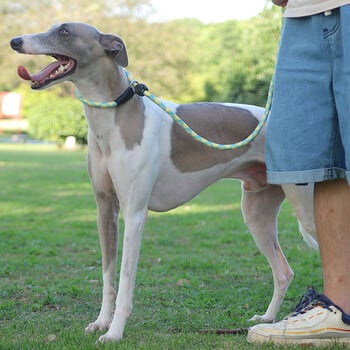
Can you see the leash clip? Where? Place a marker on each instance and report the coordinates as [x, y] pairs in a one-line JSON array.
[[139, 88]]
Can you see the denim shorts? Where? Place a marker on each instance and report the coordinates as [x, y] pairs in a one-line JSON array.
[[308, 132]]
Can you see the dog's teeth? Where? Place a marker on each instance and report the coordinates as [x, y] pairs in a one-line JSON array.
[[61, 69]]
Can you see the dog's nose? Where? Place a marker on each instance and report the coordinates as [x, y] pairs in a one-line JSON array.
[[16, 43]]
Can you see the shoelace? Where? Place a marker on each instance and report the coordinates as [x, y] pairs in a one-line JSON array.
[[306, 300], [310, 300]]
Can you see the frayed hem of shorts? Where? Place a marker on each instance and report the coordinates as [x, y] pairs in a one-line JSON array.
[[307, 176]]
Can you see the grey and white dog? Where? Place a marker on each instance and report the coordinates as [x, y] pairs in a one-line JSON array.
[[140, 160]]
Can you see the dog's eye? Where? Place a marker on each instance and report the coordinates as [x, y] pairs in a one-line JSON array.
[[63, 32]]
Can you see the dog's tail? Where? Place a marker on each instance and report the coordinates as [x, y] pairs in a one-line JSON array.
[[308, 238]]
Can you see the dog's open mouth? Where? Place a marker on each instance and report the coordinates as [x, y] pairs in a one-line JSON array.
[[62, 67]]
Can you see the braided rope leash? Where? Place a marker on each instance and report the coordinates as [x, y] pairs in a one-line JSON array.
[[92, 103], [142, 90], [209, 143]]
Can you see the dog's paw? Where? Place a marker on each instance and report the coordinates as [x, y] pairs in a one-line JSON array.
[[108, 338], [97, 326], [261, 319]]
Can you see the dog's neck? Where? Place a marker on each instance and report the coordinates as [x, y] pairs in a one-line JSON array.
[[103, 85], [103, 122]]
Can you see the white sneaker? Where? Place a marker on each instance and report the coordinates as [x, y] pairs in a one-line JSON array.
[[319, 322]]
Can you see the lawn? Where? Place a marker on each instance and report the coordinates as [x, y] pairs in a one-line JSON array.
[[199, 267]]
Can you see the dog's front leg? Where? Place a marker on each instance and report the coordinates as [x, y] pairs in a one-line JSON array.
[[134, 223], [107, 222]]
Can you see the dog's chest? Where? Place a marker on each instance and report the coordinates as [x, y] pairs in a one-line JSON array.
[[117, 127], [104, 138]]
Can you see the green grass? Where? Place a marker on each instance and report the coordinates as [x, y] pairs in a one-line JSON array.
[[199, 267]]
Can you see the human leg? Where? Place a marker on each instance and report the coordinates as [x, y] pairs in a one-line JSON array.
[[332, 199], [332, 218], [321, 321]]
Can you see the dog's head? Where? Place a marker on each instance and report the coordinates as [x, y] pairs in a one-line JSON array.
[[75, 46]]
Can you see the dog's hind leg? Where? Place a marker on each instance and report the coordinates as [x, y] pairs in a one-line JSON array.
[[107, 223], [260, 210]]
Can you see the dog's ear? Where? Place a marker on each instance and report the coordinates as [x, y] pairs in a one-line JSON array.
[[115, 47]]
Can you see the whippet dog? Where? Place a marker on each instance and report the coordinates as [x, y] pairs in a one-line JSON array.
[[139, 160]]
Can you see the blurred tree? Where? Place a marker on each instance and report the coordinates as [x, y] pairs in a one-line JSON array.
[[51, 118], [218, 44], [249, 74]]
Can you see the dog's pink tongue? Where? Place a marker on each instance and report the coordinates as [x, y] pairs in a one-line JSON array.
[[23, 73], [42, 75]]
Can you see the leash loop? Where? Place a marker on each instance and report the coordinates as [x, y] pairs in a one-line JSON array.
[[209, 143]]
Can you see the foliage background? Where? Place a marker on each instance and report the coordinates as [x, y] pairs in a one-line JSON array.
[[181, 60]]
